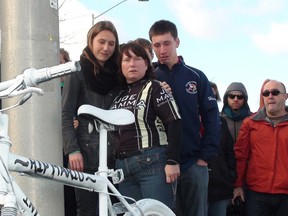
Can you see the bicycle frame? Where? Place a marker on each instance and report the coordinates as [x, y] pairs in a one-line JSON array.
[[38, 169], [13, 199]]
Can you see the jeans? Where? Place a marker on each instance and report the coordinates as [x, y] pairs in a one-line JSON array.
[[218, 208], [145, 176], [192, 193], [263, 204]]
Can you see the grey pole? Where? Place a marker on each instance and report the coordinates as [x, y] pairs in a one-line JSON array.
[[95, 17], [30, 38]]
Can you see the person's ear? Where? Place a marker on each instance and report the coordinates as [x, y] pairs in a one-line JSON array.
[[177, 42]]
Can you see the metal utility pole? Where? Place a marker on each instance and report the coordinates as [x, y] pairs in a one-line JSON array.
[[30, 38]]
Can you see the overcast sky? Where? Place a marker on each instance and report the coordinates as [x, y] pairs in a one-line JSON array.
[[229, 40]]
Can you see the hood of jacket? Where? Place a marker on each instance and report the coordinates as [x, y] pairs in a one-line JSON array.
[[235, 86]]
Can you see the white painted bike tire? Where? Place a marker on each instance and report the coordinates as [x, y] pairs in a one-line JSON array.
[[151, 207]]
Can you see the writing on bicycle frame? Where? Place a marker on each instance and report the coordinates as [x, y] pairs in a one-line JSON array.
[[49, 170]]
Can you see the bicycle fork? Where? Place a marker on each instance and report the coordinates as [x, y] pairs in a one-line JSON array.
[[9, 208], [7, 199]]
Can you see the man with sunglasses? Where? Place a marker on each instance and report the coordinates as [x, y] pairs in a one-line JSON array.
[[235, 110], [235, 107], [262, 155]]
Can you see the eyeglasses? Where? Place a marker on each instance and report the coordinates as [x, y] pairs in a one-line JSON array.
[[232, 96], [274, 92]]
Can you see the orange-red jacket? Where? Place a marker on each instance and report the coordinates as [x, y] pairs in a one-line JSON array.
[[262, 154]]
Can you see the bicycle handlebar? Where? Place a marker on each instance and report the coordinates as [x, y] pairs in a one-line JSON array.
[[32, 77]]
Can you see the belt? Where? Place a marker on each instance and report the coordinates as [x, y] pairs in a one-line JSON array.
[[122, 155]]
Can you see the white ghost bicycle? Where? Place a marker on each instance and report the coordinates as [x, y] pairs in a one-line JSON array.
[[14, 202]]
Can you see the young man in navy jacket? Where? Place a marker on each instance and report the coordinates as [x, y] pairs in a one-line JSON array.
[[197, 105]]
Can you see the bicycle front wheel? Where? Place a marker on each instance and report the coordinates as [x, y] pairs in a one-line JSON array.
[[151, 207]]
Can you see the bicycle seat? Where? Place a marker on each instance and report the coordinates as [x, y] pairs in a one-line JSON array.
[[115, 117]]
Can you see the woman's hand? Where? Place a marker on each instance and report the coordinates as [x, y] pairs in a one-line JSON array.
[[165, 86], [75, 123], [76, 162], [172, 172]]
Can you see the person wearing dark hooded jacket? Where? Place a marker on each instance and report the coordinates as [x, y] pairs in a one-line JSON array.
[[235, 110], [235, 107]]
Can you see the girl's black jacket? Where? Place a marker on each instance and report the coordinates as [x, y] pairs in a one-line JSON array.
[[85, 139]]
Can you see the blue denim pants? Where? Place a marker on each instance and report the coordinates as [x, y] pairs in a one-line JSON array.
[[263, 204], [192, 193], [145, 176]]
